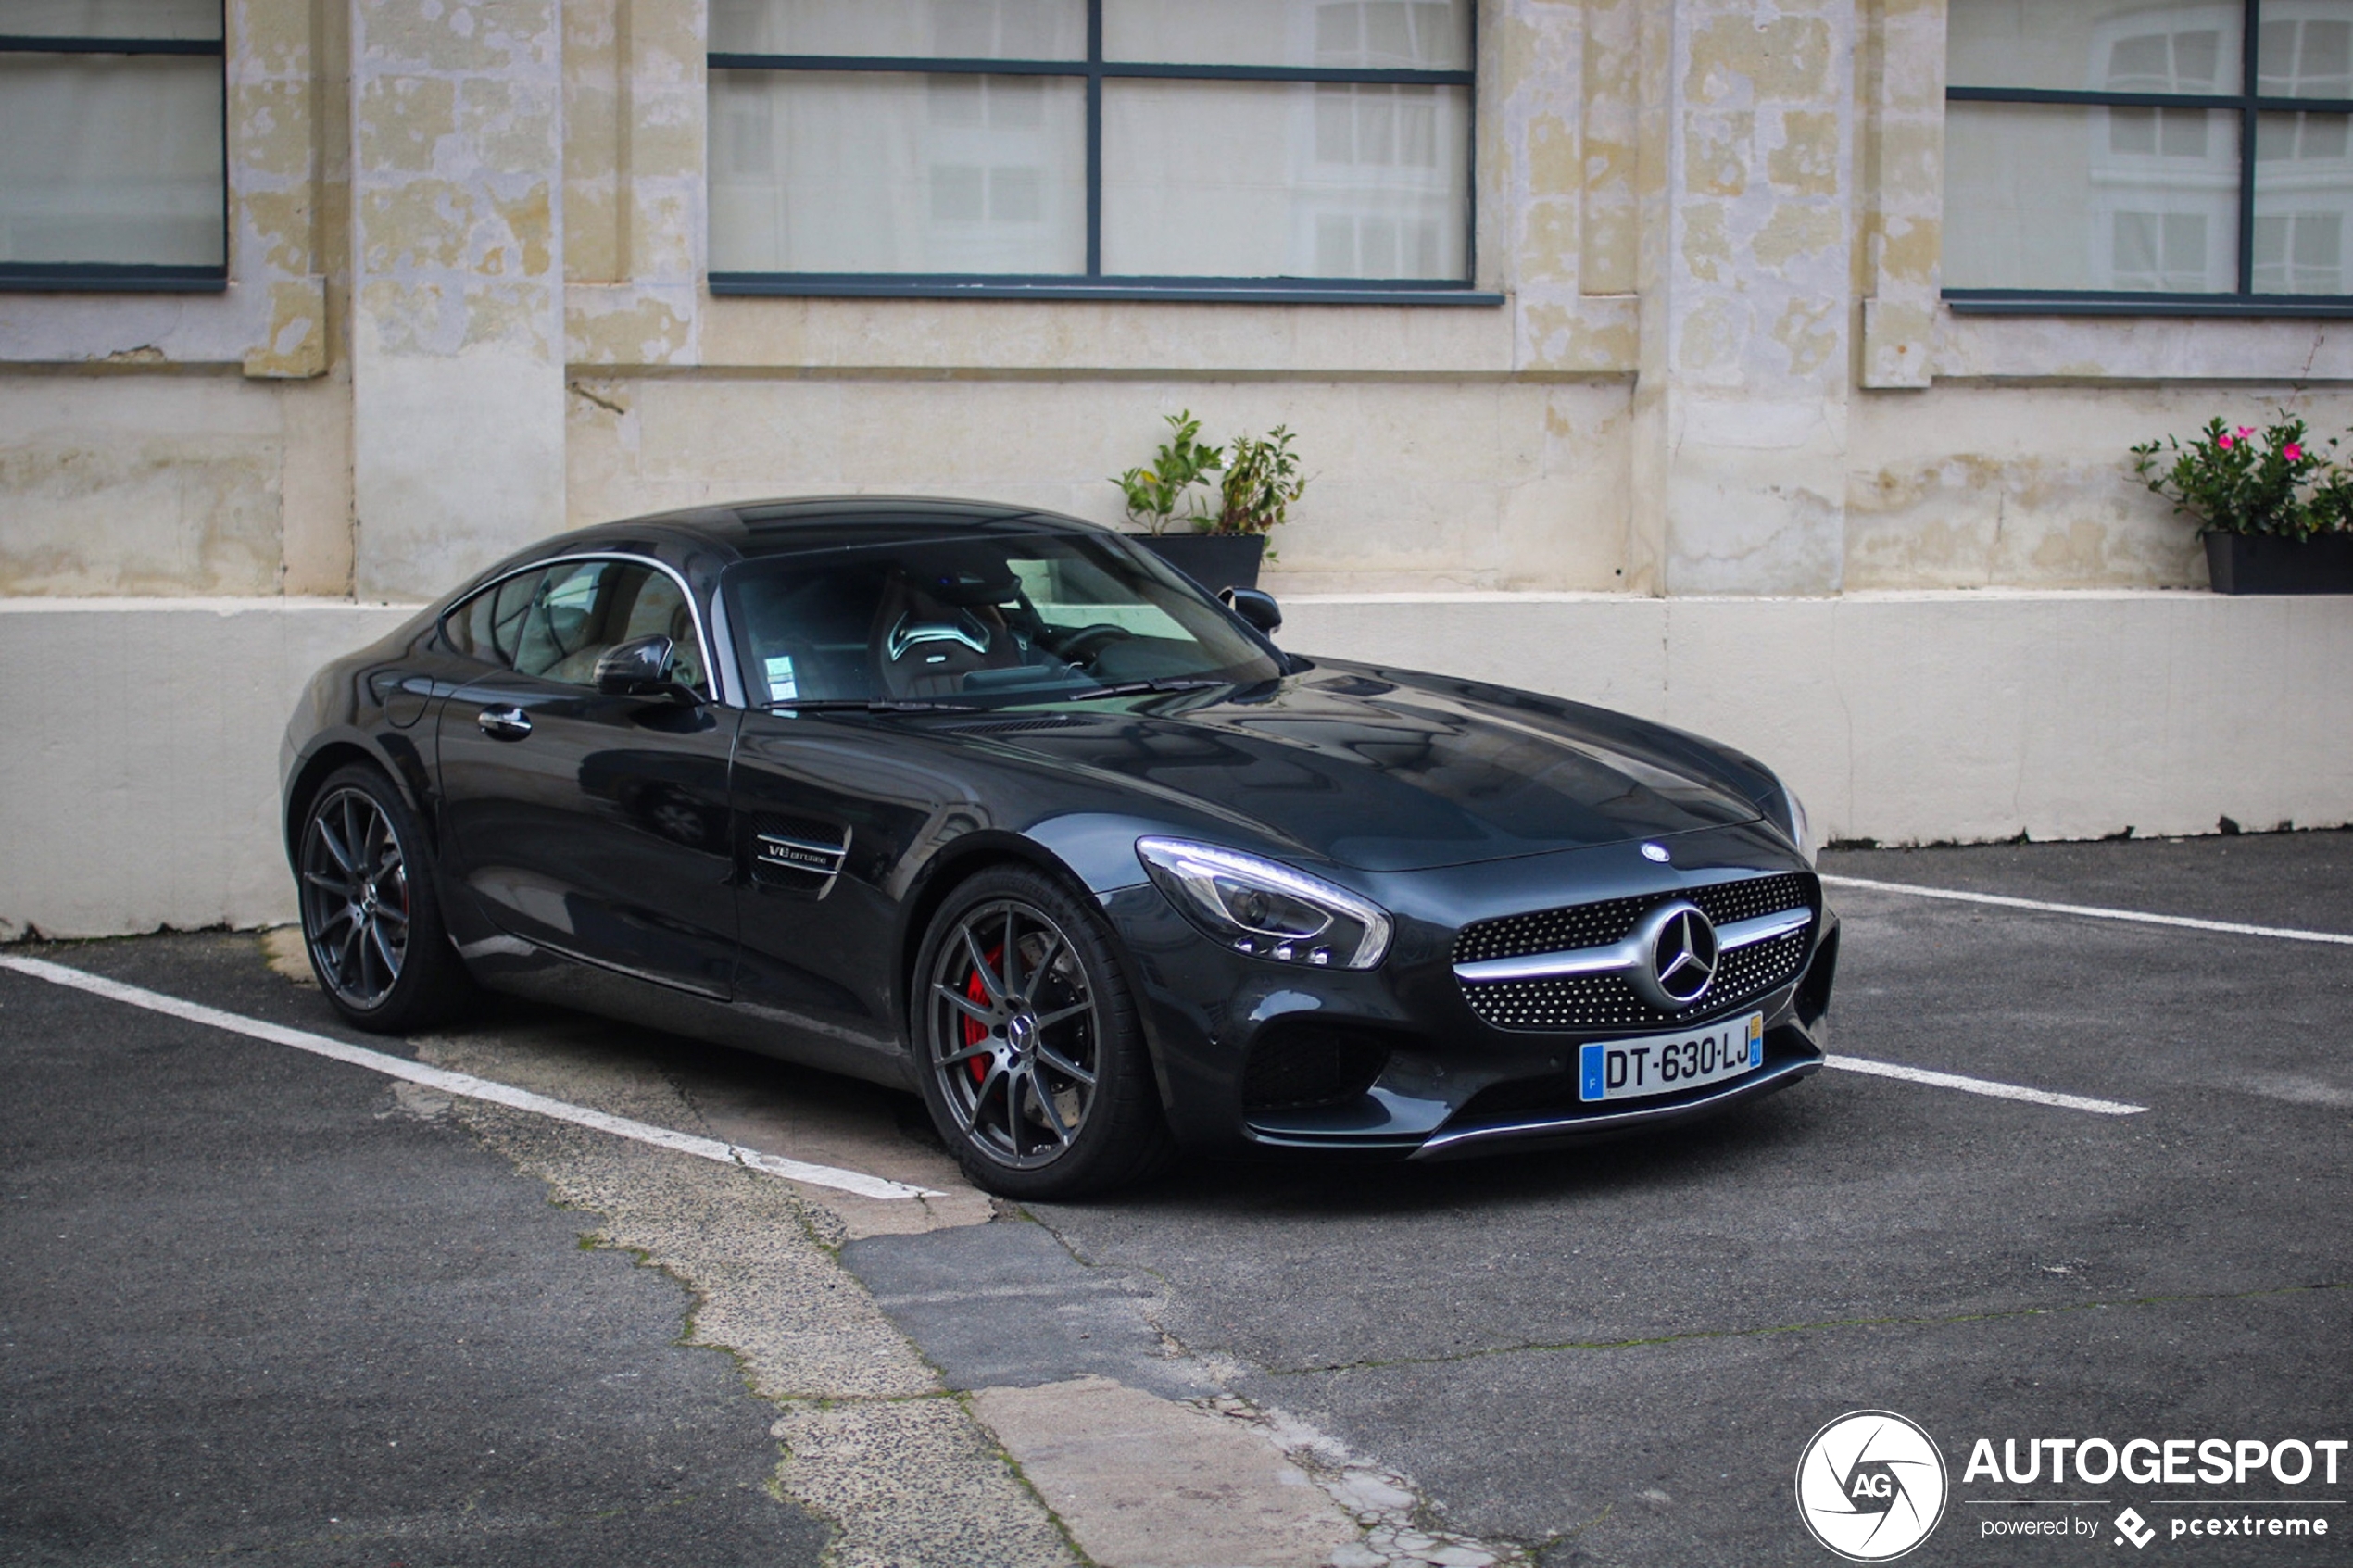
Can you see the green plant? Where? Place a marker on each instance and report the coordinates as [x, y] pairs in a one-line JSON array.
[[2237, 481], [2332, 503], [1262, 481], [1154, 492]]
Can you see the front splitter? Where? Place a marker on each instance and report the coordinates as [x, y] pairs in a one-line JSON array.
[[1535, 1133]]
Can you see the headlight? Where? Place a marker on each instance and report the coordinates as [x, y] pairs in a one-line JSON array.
[[1265, 909], [1800, 831]]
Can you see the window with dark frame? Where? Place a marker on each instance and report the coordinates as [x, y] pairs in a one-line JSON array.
[[2131, 157], [113, 145], [1293, 150]]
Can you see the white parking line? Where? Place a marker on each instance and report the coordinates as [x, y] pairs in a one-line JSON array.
[[467, 1085], [1981, 1086], [2283, 932]]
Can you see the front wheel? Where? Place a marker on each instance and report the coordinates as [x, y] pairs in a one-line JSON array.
[[1031, 1059], [370, 919]]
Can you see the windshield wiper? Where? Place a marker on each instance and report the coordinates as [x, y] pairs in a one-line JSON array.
[[1140, 688], [871, 705]]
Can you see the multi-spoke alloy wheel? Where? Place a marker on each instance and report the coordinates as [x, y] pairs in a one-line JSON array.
[[1018, 1019], [355, 898], [1033, 1063], [368, 915]]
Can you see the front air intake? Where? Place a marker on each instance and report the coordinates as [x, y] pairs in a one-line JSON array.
[[1303, 1065]]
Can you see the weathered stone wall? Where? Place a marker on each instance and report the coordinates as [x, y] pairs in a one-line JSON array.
[[1974, 485], [1469, 484], [145, 485], [466, 308]]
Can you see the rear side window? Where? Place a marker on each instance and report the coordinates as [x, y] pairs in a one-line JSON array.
[[488, 626]]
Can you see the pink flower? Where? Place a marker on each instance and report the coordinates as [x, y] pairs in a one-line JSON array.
[[2295, 453], [2225, 442], [2242, 433]]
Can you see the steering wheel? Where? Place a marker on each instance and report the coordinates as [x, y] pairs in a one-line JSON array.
[[1082, 645]]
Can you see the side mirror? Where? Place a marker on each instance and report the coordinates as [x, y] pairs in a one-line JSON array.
[[639, 667], [1259, 610]]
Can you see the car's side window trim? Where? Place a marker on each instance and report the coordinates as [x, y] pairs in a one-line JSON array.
[[719, 684]]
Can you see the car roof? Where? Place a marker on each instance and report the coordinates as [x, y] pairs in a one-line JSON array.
[[700, 541], [749, 529]]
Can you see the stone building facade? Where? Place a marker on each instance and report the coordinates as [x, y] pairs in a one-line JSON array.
[[1692, 427]]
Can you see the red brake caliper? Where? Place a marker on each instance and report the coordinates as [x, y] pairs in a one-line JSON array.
[[974, 1032]]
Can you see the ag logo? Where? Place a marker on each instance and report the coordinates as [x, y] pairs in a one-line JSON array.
[[1870, 1485]]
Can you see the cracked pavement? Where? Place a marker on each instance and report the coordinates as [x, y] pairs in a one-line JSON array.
[[1608, 1356]]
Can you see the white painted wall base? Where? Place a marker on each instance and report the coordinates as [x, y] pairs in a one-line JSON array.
[[138, 775], [1919, 717], [139, 755]]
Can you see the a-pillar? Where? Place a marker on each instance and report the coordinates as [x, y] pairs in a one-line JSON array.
[[457, 286], [1746, 183]]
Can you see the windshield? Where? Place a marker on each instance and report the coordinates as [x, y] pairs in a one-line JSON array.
[[987, 621]]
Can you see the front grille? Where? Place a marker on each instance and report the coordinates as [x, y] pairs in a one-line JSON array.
[[1607, 1001], [1551, 931]]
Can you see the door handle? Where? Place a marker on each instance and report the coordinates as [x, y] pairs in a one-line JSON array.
[[504, 723]]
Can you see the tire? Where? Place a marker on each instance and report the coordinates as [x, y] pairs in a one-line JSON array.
[[1003, 1052], [371, 915]]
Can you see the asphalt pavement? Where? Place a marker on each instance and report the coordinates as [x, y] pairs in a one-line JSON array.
[[242, 1274], [257, 1306]]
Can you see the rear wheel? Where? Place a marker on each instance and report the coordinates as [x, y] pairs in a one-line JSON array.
[[1033, 1063], [370, 919]]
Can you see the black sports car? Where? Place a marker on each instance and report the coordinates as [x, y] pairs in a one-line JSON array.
[[992, 805]]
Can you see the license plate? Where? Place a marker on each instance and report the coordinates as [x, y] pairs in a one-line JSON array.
[[1660, 1064]]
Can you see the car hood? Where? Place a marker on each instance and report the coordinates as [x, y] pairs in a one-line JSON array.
[[1390, 770]]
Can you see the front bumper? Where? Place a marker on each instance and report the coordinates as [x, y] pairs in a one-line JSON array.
[[1450, 1084]]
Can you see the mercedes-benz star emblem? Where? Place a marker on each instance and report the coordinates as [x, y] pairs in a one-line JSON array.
[[1679, 954]]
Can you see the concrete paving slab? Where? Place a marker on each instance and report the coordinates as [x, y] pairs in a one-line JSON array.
[[909, 1482], [1007, 1306], [1145, 1483]]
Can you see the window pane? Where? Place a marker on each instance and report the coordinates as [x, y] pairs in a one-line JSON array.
[[1304, 179], [1385, 34], [2303, 196], [2041, 197], [2104, 46], [854, 172], [953, 29], [111, 158], [579, 611], [2305, 49], [110, 19]]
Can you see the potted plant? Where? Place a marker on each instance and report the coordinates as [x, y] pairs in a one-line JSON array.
[[1255, 482], [2275, 513]]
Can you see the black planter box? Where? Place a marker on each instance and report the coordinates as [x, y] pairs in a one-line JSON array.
[[2266, 563], [1214, 561]]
